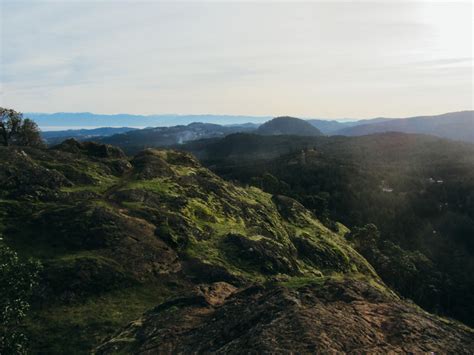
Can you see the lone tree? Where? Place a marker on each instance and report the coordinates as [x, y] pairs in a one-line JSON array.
[[16, 130]]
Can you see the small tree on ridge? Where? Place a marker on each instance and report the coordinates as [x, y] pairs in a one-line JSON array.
[[15, 130]]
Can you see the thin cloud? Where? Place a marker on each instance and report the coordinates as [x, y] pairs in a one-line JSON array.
[[311, 59]]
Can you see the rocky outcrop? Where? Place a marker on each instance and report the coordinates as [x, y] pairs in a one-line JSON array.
[[343, 316], [267, 254], [22, 177], [91, 149]]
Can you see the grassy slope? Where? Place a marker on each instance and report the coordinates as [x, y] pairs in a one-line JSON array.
[[92, 289]]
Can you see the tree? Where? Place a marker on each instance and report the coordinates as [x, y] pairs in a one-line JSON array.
[[365, 240], [14, 130], [18, 280]]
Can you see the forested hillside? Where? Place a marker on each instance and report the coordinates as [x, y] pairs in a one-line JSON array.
[[134, 141], [288, 126], [415, 191]]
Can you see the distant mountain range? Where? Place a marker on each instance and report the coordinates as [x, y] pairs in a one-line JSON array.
[[330, 127], [455, 125], [137, 140], [54, 137], [134, 140], [65, 120]]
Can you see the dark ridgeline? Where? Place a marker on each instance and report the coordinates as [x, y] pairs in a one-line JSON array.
[[288, 126], [454, 125]]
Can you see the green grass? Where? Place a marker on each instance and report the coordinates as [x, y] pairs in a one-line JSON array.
[[87, 167], [101, 188], [78, 328], [297, 282], [210, 249], [180, 170], [158, 185], [134, 205], [102, 180]]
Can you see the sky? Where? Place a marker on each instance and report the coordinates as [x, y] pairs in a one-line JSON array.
[[325, 59]]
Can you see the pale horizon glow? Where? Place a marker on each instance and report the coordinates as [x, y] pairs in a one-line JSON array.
[[312, 59]]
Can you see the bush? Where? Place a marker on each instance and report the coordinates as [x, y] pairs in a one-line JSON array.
[[18, 280]]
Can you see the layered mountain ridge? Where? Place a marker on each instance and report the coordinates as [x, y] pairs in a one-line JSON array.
[[453, 125]]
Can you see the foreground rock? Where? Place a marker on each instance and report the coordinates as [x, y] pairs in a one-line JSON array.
[[338, 316]]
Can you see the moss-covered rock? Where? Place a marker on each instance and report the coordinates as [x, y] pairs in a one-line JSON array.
[[321, 253], [149, 165], [74, 278], [23, 177], [91, 149], [263, 253]]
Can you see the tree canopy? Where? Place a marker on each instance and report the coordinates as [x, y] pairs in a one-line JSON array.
[[16, 130]]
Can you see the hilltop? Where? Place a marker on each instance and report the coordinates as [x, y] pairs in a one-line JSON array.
[[332, 127], [288, 126], [119, 236]]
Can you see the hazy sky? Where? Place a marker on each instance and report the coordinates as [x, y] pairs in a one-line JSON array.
[[312, 59]]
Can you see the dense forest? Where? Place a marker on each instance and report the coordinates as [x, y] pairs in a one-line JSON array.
[[413, 195]]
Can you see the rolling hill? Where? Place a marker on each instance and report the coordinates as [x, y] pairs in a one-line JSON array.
[[56, 137], [215, 266], [329, 127], [455, 125], [287, 126], [134, 141]]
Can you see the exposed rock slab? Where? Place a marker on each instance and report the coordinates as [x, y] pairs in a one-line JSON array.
[[338, 316]]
